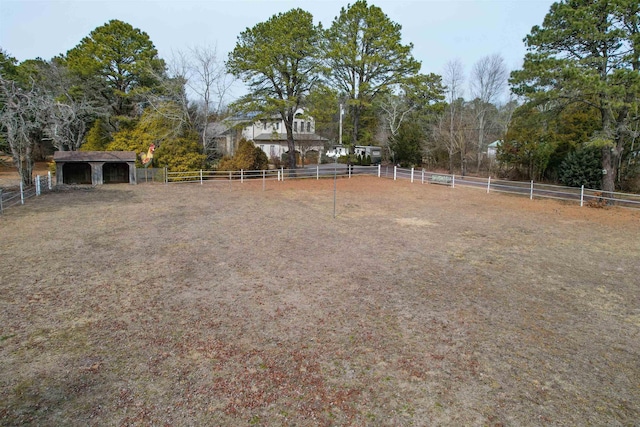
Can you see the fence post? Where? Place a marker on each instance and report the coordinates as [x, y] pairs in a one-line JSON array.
[[200, 176], [37, 185], [379, 166], [349, 168], [581, 196], [241, 175], [278, 176], [282, 172], [453, 181], [317, 172], [412, 175], [21, 193], [166, 175], [422, 180], [0, 200], [395, 172], [531, 193], [488, 185], [49, 179], [264, 176]]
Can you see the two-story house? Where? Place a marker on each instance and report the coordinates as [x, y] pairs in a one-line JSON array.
[[271, 136]]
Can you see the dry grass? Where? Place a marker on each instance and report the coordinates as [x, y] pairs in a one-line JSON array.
[[218, 305]]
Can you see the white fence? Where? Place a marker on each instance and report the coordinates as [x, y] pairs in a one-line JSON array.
[[16, 196], [583, 196]]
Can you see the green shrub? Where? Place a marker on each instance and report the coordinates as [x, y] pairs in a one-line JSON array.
[[582, 167]]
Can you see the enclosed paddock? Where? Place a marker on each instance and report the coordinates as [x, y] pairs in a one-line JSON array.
[[95, 167]]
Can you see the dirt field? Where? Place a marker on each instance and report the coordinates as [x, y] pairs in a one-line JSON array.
[[217, 305]]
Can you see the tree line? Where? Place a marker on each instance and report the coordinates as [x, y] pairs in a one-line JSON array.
[[572, 116]]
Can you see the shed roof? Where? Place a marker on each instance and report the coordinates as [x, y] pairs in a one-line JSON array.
[[94, 156]]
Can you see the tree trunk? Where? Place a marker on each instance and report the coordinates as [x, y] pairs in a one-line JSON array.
[[609, 171]]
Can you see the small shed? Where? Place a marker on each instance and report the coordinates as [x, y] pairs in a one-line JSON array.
[[95, 167]]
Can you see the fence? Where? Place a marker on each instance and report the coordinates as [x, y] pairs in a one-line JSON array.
[[583, 196], [16, 196]]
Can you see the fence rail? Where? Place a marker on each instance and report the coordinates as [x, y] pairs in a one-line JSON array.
[[17, 195], [531, 189], [584, 196], [581, 195]]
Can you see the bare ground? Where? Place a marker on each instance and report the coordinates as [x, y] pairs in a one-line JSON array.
[[230, 305]]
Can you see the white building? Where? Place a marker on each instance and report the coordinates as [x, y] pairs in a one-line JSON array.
[[492, 149], [271, 136]]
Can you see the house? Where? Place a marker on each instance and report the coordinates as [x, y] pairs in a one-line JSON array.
[[271, 136], [493, 148], [95, 167]]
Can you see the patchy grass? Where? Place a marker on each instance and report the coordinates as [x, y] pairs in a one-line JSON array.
[[229, 305]]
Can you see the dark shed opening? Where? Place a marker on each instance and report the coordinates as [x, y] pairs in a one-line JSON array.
[[77, 173], [115, 173]]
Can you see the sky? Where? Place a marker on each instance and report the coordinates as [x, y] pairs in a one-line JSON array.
[[440, 30]]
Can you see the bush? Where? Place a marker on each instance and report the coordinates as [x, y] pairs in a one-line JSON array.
[[248, 157], [582, 167]]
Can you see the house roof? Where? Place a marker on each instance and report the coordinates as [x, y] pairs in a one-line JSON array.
[[94, 156]]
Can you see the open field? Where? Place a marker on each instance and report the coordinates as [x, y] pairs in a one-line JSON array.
[[229, 305]]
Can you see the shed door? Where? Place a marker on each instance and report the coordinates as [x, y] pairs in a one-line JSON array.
[[113, 173], [76, 173]]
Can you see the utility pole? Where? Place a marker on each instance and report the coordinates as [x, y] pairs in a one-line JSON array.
[[335, 165]]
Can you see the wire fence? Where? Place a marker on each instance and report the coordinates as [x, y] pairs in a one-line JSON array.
[[12, 196]]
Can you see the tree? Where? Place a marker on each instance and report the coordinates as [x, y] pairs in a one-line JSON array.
[[207, 78], [582, 167], [488, 81], [278, 59], [453, 80], [588, 52], [407, 144], [248, 157], [21, 119], [365, 57], [119, 62]]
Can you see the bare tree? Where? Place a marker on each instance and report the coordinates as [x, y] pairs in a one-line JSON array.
[[453, 80], [208, 79], [488, 82], [22, 119], [67, 122]]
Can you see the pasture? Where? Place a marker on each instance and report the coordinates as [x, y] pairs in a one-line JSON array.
[[229, 305]]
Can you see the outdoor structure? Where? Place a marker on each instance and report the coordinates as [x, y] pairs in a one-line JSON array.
[[95, 167], [270, 135], [492, 149]]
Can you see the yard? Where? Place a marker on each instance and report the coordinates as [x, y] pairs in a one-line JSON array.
[[229, 305]]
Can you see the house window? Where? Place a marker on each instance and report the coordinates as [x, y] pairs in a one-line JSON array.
[[277, 125], [309, 127], [264, 125], [295, 126]]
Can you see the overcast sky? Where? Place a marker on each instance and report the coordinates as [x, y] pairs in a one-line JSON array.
[[440, 30]]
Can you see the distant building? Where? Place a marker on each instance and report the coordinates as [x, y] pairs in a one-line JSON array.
[[270, 135], [492, 149]]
